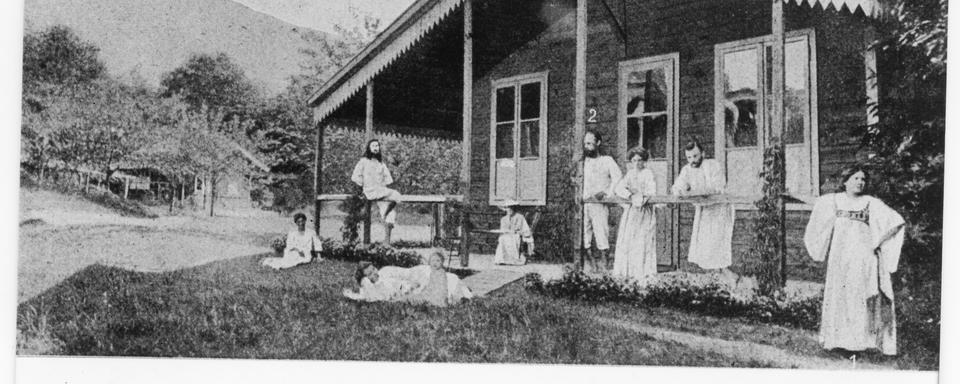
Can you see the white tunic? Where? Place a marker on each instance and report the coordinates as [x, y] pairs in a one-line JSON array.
[[712, 234], [636, 252], [861, 241], [600, 174], [374, 177]]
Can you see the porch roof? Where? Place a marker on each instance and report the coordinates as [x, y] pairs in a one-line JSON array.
[[420, 19]]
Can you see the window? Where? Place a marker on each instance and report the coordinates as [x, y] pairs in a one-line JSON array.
[[744, 88], [518, 139]]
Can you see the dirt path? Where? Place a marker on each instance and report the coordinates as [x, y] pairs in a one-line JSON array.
[[743, 350]]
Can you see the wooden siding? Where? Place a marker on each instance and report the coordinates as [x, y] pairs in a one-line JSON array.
[[691, 28]]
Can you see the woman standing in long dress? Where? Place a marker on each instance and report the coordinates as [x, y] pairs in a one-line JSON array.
[[301, 243], [636, 253], [514, 229], [860, 237], [372, 174]]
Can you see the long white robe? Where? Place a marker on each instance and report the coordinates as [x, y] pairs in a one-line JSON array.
[[636, 253], [508, 244], [297, 243], [712, 235], [861, 253]]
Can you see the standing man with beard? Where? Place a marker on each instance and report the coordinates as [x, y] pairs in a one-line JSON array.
[[712, 232], [600, 175], [372, 174]]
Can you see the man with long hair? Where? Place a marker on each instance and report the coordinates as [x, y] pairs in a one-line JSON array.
[[600, 175], [712, 233], [372, 174]]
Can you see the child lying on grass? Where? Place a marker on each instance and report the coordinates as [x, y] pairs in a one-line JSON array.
[[421, 284]]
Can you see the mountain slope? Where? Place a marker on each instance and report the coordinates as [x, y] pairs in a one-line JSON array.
[[151, 37]]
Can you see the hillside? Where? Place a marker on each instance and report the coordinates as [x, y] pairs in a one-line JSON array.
[[151, 37]]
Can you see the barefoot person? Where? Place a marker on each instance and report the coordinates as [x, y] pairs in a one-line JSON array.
[[860, 237], [513, 230], [301, 244], [712, 234], [372, 174], [600, 175], [636, 253]]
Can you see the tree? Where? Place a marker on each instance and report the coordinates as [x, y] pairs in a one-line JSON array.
[[100, 125], [211, 81], [57, 56]]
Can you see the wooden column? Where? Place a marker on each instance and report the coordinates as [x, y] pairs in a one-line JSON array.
[[579, 124], [368, 133], [318, 177], [776, 137], [465, 141]]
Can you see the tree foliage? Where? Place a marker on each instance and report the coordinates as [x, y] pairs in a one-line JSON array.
[[212, 81], [58, 56]]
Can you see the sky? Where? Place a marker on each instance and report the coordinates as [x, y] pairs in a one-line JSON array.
[[324, 14]]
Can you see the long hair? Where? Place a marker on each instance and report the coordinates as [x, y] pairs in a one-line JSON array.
[[848, 172], [369, 154]]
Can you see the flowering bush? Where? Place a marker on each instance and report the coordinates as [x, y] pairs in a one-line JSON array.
[[375, 253], [698, 293], [279, 244]]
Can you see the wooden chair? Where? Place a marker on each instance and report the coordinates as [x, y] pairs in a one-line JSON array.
[[456, 246]]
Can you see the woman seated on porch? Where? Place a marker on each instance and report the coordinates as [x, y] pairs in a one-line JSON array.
[[301, 244], [513, 230], [429, 283], [860, 237]]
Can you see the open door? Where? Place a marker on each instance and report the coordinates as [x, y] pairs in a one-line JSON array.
[[648, 118]]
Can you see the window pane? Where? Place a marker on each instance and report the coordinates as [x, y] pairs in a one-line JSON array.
[[530, 139], [530, 101], [740, 93], [633, 132], [655, 136], [796, 99], [650, 86], [505, 141], [505, 104]]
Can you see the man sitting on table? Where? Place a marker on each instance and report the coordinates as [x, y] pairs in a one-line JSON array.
[[712, 232]]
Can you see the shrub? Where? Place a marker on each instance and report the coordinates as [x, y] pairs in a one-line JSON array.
[[769, 227], [377, 254], [685, 292]]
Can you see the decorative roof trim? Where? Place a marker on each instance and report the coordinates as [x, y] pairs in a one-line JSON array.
[[412, 25]]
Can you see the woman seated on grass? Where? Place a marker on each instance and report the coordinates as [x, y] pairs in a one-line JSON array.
[[300, 246], [429, 284]]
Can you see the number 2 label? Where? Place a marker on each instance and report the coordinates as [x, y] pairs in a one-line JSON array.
[[592, 115]]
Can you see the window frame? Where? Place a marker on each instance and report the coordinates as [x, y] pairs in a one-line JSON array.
[[518, 82], [812, 131]]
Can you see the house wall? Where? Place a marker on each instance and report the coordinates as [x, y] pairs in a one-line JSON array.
[[691, 28]]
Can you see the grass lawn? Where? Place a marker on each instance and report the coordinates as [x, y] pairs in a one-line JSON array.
[[236, 309]]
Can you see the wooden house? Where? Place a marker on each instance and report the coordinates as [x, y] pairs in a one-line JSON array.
[[520, 82]]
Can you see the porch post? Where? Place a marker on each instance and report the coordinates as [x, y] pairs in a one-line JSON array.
[[579, 123], [368, 133], [777, 126], [465, 141], [318, 178]]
